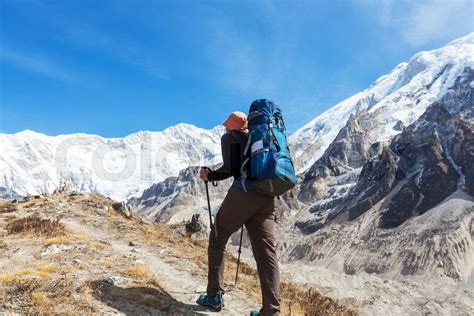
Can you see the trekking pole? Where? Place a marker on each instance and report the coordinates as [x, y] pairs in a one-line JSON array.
[[209, 206], [240, 251], [214, 183]]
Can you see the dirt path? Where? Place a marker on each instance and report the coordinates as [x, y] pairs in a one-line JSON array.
[[176, 278], [81, 254]]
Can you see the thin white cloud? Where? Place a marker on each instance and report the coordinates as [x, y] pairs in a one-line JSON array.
[[421, 22], [438, 20], [36, 64]]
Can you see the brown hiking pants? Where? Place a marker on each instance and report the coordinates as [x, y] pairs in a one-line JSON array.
[[257, 212]]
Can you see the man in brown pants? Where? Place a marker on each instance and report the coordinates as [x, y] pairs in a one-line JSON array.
[[255, 210]]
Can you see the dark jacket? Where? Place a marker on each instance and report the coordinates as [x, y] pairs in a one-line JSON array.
[[233, 146]]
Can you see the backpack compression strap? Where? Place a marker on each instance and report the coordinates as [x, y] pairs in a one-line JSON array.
[[243, 173]]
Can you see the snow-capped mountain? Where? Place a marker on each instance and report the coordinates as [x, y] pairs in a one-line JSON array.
[[392, 102], [365, 133], [32, 163], [392, 192]]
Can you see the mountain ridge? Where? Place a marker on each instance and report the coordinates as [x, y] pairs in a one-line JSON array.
[[395, 91], [36, 163]]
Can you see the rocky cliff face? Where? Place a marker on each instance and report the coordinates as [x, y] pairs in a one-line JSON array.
[[351, 148], [436, 161], [339, 184], [410, 211], [428, 160]]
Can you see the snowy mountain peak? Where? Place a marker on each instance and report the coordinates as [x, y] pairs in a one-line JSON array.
[[398, 97], [28, 134], [191, 130], [468, 39], [181, 127]]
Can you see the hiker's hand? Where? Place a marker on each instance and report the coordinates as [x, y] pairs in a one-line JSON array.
[[203, 173]]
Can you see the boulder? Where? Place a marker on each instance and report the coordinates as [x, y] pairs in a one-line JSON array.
[[123, 208], [196, 224], [197, 227]]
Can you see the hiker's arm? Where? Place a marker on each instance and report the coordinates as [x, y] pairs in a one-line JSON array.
[[224, 171]]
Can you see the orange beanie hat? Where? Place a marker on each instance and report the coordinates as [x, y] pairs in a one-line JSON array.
[[236, 120]]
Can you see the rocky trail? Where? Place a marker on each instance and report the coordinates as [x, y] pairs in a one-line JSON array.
[[81, 254], [176, 279]]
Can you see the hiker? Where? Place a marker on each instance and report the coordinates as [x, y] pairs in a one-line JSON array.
[[241, 206]]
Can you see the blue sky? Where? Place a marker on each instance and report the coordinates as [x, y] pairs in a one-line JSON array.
[[115, 67]]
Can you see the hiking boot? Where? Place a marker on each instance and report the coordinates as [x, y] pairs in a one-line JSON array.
[[255, 313], [215, 302]]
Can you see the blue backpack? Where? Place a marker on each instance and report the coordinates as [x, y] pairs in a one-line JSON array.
[[268, 168]]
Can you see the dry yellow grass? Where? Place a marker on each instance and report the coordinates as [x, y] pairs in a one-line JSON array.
[[154, 282], [47, 268], [42, 274], [12, 277], [20, 276], [46, 288], [58, 240], [39, 298], [99, 244], [83, 305], [85, 288], [140, 272], [107, 263], [41, 290], [137, 293], [44, 270], [41, 304]]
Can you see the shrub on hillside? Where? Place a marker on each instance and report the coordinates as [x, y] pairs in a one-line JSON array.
[[37, 225]]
